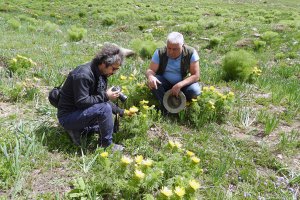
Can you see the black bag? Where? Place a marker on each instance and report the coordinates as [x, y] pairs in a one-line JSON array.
[[54, 96]]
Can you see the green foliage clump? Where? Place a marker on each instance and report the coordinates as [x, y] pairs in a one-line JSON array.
[[239, 65], [26, 90], [151, 17], [210, 106], [145, 48], [76, 33], [189, 28], [15, 24], [108, 20], [268, 36], [214, 41], [258, 44], [20, 64], [50, 27]]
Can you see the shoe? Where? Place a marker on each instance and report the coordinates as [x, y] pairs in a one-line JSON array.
[[117, 147], [75, 137]]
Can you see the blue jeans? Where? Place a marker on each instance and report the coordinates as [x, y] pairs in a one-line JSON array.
[[97, 118], [190, 91]]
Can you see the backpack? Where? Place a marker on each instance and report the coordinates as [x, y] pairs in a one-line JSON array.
[[54, 95]]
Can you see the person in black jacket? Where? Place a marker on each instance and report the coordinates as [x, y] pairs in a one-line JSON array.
[[85, 103]]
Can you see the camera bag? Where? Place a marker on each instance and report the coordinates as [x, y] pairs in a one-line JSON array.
[[54, 95]]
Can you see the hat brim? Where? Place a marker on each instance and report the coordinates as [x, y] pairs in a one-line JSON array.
[[181, 100]]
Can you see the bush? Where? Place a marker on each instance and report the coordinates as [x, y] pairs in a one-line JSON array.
[[258, 44], [238, 65], [15, 24], [108, 20], [268, 36], [145, 48], [50, 27], [76, 34], [214, 41]]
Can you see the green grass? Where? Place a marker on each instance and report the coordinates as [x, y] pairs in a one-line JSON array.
[[252, 153]]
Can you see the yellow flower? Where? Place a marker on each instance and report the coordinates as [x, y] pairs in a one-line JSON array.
[[194, 184], [166, 191], [179, 191], [133, 109], [195, 159], [211, 102], [212, 88], [147, 162], [178, 144], [139, 159], [122, 77], [230, 94], [141, 84], [144, 102], [171, 143], [205, 89], [104, 154], [126, 160], [139, 174], [146, 107], [190, 153]]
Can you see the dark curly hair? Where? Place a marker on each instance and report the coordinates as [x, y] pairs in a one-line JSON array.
[[109, 54]]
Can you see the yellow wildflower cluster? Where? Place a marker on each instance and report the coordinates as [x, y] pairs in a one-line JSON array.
[[132, 110], [175, 144], [126, 160], [139, 174], [180, 191], [195, 185], [19, 58], [256, 71], [104, 154]]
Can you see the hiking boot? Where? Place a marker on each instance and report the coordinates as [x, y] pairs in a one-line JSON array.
[[75, 136]]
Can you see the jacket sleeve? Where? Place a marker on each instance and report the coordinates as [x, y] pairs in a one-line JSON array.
[[81, 89]]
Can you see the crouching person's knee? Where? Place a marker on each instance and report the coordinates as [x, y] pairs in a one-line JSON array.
[[103, 108]]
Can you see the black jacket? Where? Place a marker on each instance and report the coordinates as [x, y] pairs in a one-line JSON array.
[[84, 87]]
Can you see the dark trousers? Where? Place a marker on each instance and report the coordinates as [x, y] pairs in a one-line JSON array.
[[190, 91], [97, 118]]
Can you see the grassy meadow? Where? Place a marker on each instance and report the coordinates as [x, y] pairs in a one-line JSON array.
[[239, 140]]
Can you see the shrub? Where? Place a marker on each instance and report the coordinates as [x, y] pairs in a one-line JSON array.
[[268, 36], [258, 44], [214, 41], [50, 27], [189, 28], [108, 20], [144, 48], [15, 24], [76, 34], [238, 65]]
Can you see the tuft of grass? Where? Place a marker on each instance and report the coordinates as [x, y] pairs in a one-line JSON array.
[[76, 33]]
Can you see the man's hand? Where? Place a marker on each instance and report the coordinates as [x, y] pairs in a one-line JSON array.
[[176, 89], [112, 95], [153, 82]]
